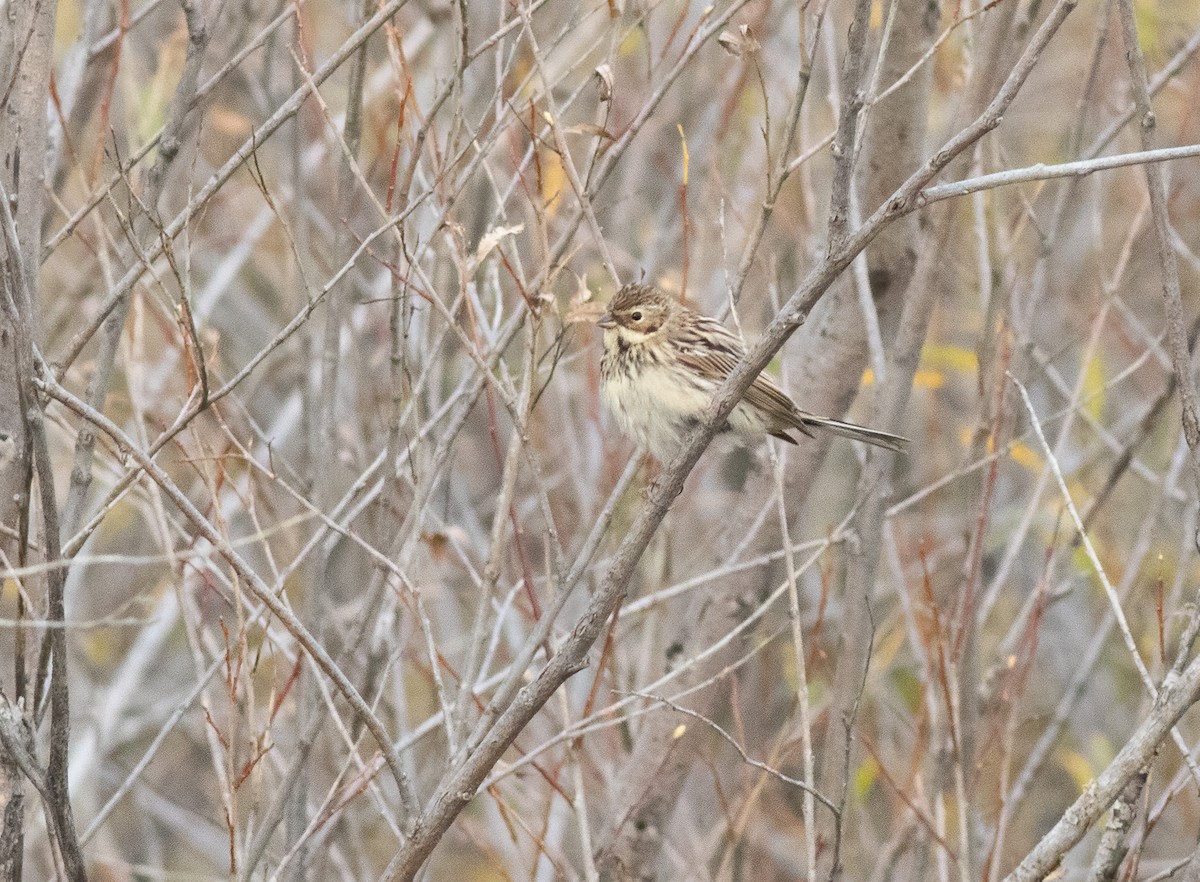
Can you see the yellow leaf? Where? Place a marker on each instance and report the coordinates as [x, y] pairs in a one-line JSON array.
[[1093, 387], [864, 778], [949, 358], [1023, 454], [1147, 15], [1077, 766], [632, 43], [487, 873], [150, 96], [749, 102], [1080, 559], [908, 686], [922, 379], [886, 648], [69, 21], [928, 379], [100, 646], [1101, 750], [1077, 491], [553, 178], [936, 361], [683, 140]]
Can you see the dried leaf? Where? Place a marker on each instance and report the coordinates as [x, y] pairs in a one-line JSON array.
[[493, 238], [591, 129], [582, 292], [739, 44], [605, 75], [438, 543]]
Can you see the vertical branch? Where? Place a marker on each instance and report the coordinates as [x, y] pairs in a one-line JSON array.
[[635, 836], [22, 146], [777, 175], [874, 486], [1181, 357], [802, 697], [144, 227], [337, 300], [19, 299], [26, 56], [893, 141], [12, 793], [323, 452], [845, 140]]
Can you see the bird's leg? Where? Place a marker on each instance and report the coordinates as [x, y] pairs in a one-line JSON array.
[[653, 470]]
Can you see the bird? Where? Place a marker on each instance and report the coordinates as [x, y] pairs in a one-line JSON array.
[[662, 363]]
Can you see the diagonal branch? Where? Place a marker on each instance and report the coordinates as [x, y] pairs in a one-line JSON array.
[[49, 386], [459, 784]]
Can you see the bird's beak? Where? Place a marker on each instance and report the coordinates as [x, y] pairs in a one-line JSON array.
[[606, 321]]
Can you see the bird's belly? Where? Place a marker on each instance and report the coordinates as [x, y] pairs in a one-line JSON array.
[[657, 407]]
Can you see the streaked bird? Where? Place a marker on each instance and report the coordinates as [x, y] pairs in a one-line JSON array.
[[662, 363]]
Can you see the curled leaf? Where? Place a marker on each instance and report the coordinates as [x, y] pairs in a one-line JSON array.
[[493, 238], [605, 75], [740, 43]]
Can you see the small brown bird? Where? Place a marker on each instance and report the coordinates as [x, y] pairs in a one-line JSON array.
[[663, 362]]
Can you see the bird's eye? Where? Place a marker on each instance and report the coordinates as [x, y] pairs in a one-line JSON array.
[[636, 315]]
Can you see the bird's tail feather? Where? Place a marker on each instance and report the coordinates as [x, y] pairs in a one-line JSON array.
[[858, 433]]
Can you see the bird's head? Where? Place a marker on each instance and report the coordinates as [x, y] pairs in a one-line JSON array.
[[637, 313]]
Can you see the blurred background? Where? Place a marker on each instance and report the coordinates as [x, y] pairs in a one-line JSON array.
[[348, 302]]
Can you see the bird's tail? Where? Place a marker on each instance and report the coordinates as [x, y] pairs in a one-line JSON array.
[[857, 433]]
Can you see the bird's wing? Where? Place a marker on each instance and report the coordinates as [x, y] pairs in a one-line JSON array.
[[707, 348], [710, 350]]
